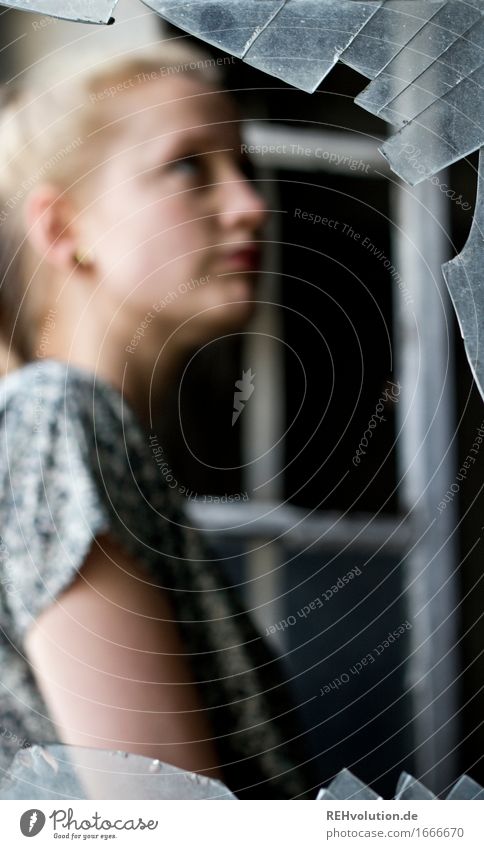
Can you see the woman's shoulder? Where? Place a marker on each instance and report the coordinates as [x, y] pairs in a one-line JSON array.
[[56, 380], [62, 422], [22, 385], [41, 395], [70, 437]]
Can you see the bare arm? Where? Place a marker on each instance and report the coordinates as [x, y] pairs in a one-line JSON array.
[[111, 671]]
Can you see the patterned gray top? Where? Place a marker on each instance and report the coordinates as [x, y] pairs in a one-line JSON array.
[[75, 463]]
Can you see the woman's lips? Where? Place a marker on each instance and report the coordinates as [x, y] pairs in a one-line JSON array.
[[242, 259]]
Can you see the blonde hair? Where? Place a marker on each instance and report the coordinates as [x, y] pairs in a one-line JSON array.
[[44, 134]]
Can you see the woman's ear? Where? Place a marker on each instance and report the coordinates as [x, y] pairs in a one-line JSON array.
[[48, 216]]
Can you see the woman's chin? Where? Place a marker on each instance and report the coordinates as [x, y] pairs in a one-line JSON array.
[[231, 316], [241, 290], [241, 300]]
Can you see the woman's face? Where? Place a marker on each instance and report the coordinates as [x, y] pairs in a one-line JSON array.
[[175, 221]]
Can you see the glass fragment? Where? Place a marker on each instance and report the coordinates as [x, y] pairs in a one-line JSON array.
[[230, 26], [409, 788], [419, 53], [71, 772], [347, 786], [466, 788], [463, 276], [460, 60], [84, 11], [449, 129], [307, 37], [392, 26]]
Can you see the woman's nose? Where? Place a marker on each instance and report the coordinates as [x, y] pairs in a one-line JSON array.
[[241, 204]]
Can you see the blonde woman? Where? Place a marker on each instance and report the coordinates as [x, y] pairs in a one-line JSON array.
[[118, 185]]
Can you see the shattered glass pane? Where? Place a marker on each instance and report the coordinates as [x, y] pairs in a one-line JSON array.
[[231, 26], [71, 772], [347, 786], [409, 788], [84, 11], [446, 131], [387, 32], [463, 276], [420, 52], [307, 37], [460, 60]]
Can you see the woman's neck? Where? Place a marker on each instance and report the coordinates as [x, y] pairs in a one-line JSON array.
[[144, 376]]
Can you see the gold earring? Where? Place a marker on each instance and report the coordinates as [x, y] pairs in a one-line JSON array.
[[83, 257]]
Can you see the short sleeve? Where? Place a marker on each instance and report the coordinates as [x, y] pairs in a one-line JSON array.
[[76, 463], [52, 504]]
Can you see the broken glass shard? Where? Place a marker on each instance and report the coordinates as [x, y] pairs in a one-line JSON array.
[[392, 26], [466, 788], [307, 37], [72, 772], [409, 788], [463, 276], [421, 51], [347, 786], [446, 131], [326, 795], [84, 11], [231, 26], [460, 60]]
